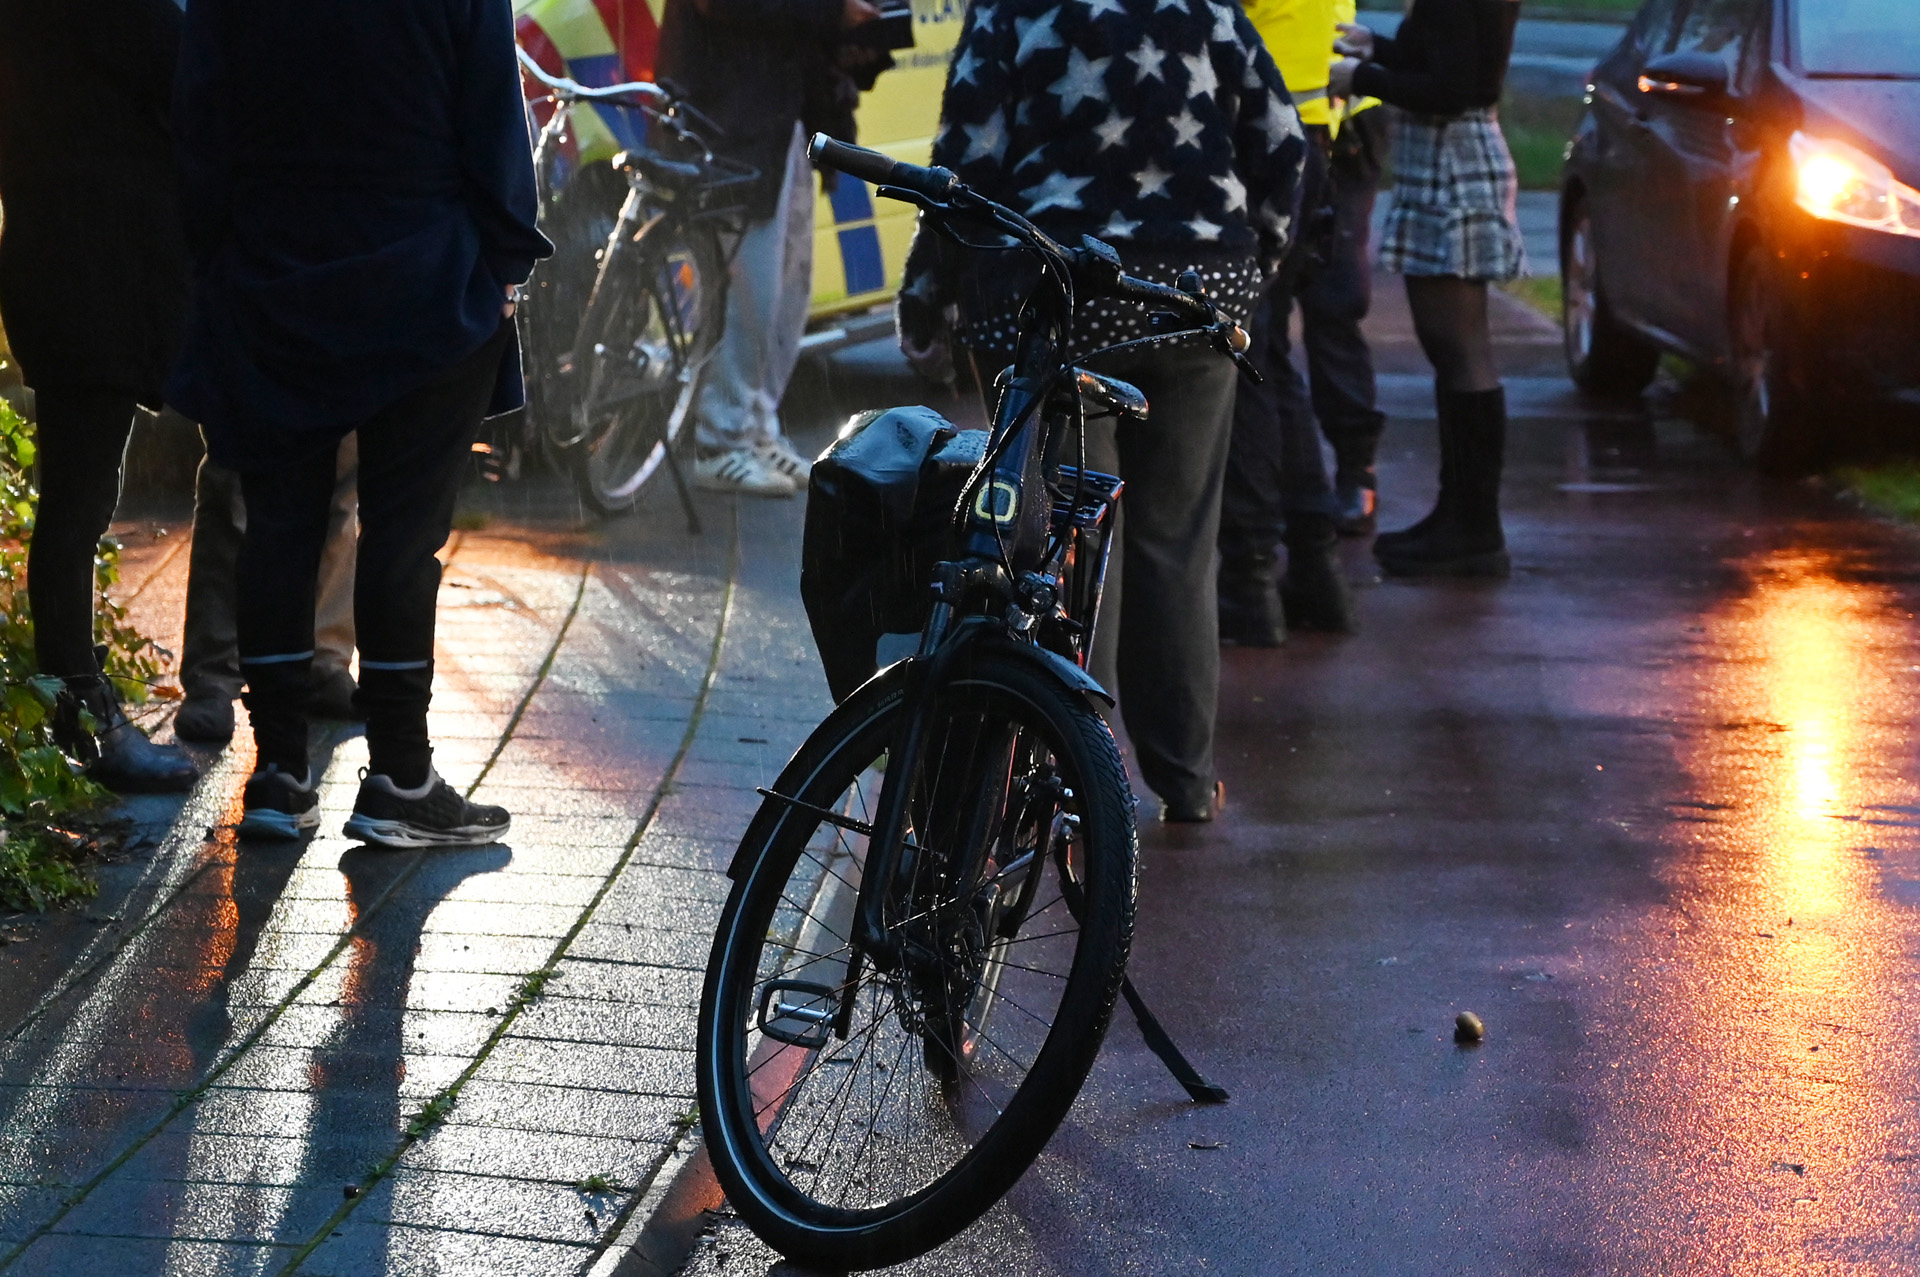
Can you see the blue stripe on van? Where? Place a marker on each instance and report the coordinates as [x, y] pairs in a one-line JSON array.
[[860, 257], [851, 202], [627, 125]]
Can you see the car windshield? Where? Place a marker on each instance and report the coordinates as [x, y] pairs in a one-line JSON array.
[[1867, 38]]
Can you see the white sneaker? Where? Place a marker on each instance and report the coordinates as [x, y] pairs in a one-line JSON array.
[[745, 470], [787, 459]]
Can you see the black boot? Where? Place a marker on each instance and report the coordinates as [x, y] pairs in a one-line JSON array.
[[91, 726], [1250, 614], [1355, 494], [1313, 594], [1462, 537]]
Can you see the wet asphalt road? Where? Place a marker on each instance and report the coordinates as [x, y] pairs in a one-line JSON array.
[[1649, 809]]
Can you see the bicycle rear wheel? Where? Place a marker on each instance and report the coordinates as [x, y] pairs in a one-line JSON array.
[[654, 321], [858, 1118]]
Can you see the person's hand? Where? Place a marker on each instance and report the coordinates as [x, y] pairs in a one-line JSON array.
[[513, 300], [1354, 41], [857, 57], [857, 13], [1340, 78]]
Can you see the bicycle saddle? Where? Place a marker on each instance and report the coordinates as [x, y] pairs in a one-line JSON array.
[[657, 169]]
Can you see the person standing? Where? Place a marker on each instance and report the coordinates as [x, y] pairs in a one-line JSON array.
[[360, 219], [1451, 230], [1276, 489], [1162, 127], [755, 67], [93, 282], [1335, 294]]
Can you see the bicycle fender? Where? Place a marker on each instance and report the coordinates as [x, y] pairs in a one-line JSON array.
[[1098, 698]]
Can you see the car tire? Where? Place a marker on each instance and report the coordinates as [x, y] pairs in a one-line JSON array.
[[1604, 357], [1771, 416]]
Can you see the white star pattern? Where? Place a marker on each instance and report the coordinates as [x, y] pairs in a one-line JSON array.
[[1233, 189], [1281, 123], [1118, 227], [1097, 7], [1152, 180], [965, 65], [989, 139], [1036, 34], [1084, 79], [1057, 191], [1187, 130], [1250, 78], [1178, 6], [1034, 156], [1113, 130], [1146, 60], [1224, 29], [1201, 81], [1203, 229]]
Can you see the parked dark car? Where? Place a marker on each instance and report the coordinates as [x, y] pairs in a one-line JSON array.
[[1742, 191]]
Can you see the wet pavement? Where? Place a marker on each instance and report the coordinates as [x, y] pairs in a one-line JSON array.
[[1649, 809]]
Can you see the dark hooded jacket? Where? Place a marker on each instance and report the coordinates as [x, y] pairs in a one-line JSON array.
[[93, 270], [358, 189]]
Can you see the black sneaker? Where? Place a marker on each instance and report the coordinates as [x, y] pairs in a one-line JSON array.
[[279, 805], [434, 815]]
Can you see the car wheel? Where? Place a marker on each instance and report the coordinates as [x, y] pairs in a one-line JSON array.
[[1770, 414], [1604, 357]]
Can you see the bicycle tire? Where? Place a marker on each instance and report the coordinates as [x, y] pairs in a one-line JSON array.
[[578, 219], [780, 1185], [657, 313]]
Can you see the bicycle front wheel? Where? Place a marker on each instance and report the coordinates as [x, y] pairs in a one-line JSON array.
[[858, 1117], [650, 329]]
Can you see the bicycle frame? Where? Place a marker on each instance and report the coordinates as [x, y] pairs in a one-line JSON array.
[[1017, 540]]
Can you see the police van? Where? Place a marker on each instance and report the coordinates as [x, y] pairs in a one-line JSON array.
[[859, 249]]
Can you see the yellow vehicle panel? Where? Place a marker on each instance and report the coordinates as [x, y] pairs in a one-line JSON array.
[[859, 249], [860, 243]]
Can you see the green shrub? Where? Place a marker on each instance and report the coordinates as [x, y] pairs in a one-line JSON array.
[[40, 868]]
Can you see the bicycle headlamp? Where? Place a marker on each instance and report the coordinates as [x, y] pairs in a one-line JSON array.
[[1840, 183]]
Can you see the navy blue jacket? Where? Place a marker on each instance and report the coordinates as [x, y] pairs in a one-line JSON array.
[[357, 184]]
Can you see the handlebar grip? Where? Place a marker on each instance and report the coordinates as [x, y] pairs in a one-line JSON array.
[[1195, 308], [882, 170]]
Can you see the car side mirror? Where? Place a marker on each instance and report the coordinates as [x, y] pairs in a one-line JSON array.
[[1701, 76]]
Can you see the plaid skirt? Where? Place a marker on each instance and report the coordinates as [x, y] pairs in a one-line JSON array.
[[1455, 196]]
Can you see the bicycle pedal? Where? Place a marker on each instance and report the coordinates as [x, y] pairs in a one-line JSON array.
[[798, 1013]]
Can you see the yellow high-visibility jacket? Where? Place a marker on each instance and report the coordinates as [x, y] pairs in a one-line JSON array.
[[1299, 35]]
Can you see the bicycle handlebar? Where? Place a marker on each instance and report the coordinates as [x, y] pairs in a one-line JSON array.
[[1095, 266], [937, 184], [568, 88]]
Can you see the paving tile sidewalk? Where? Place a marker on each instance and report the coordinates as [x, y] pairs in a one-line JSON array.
[[334, 1061]]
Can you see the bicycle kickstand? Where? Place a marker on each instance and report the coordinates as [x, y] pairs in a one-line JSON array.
[[686, 493], [1202, 1091]]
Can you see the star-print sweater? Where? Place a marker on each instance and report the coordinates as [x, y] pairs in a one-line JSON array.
[[1160, 126]]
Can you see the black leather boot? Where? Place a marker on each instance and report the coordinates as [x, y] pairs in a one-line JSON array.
[[1463, 536], [114, 751], [1313, 594], [1250, 613]]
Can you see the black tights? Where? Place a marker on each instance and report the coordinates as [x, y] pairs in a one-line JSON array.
[[83, 439], [1450, 319]]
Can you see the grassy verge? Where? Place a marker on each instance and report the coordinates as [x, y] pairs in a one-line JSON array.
[[1891, 488], [1537, 130], [1558, 11], [1542, 292]]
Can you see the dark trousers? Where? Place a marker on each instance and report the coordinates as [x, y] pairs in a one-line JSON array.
[[1335, 294], [82, 432], [413, 454], [210, 653], [1275, 466], [1157, 642]]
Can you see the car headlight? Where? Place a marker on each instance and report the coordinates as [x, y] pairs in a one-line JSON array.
[[1841, 183]]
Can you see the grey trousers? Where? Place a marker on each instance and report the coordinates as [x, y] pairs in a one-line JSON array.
[[210, 661], [769, 288], [1157, 640]]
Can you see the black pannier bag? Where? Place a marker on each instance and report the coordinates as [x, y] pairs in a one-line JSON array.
[[879, 517]]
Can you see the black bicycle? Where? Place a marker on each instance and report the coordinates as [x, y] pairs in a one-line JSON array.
[[932, 908], [616, 341]]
